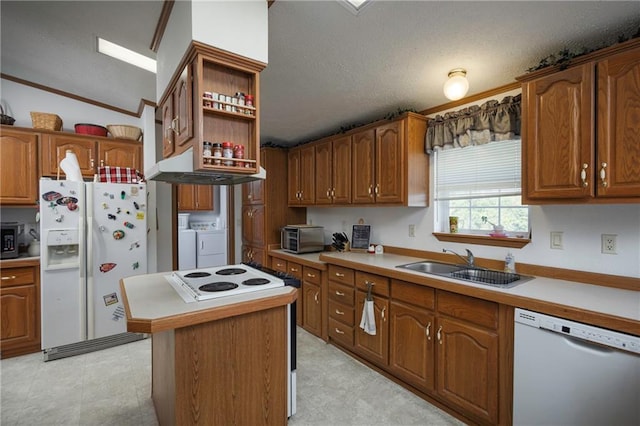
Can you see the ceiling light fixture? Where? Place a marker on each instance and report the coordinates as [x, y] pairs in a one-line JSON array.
[[457, 86], [122, 53]]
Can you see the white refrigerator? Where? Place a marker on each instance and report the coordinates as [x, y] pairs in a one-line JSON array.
[[92, 235]]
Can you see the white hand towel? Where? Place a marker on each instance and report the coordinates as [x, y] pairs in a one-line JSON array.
[[368, 321]]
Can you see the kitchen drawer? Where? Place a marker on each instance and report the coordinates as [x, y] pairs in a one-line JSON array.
[[477, 311], [341, 293], [294, 269], [340, 332], [380, 284], [279, 265], [311, 275], [341, 275], [344, 314], [413, 294], [17, 276]]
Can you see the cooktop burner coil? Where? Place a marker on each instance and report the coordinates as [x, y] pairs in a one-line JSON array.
[[231, 271], [198, 274], [256, 281], [218, 286]]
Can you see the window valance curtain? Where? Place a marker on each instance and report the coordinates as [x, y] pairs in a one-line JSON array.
[[475, 125]]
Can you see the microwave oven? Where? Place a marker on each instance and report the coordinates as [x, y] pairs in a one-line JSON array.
[[302, 238], [10, 232]]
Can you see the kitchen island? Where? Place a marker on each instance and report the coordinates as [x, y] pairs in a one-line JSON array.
[[217, 362]]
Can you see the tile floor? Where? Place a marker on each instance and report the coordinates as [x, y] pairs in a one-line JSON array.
[[113, 387]]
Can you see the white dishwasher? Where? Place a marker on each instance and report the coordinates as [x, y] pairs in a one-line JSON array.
[[569, 373]]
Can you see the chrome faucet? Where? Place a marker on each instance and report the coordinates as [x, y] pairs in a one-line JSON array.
[[469, 260]]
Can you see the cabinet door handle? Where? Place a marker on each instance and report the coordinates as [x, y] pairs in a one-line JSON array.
[[249, 197], [438, 335], [428, 331], [101, 163], [93, 163], [11, 277], [333, 193], [339, 293], [328, 193], [339, 331], [338, 274], [377, 189], [201, 245], [583, 175], [339, 312], [370, 191], [315, 297], [175, 125], [603, 174], [382, 314]]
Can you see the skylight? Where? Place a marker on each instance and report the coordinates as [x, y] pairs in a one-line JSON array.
[[122, 53], [354, 6]]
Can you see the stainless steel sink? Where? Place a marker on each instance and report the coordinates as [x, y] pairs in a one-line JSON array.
[[435, 268], [476, 275]]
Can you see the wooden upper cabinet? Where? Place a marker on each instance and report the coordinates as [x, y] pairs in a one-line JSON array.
[[253, 192], [363, 155], [54, 149], [618, 155], [18, 167], [558, 134], [341, 170], [168, 134], [195, 197], [121, 154], [301, 176], [390, 163], [580, 134], [324, 168], [183, 107]]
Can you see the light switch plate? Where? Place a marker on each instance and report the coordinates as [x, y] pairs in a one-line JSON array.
[[556, 240]]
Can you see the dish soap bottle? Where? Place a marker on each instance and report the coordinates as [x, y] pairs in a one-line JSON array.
[[510, 263]]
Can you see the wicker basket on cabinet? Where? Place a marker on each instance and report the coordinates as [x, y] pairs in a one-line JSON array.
[[123, 131], [46, 121]]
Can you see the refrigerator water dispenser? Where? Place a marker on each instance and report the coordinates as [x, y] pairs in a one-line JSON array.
[[62, 249]]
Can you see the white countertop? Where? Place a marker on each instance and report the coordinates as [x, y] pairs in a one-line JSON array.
[[150, 297], [599, 299]]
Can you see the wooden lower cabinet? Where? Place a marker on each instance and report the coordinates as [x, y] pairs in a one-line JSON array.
[[312, 312], [253, 254], [467, 368], [20, 310], [412, 355], [444, 344]]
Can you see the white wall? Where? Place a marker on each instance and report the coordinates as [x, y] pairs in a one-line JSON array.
[[175, 40]]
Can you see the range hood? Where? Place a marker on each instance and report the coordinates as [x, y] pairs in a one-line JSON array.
[[179, 169]]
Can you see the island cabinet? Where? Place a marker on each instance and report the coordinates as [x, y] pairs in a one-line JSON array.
[[20, 308], [195, 197], [202, 103], [580, 129], [446, 345], [18, 167], [301, 176], [264, 208], [333, 171], [374, 348], [91, 151]]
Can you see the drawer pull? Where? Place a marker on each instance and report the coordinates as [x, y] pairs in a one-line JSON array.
[[339, 331], [311, 275], [338, 274], [438, 335], [339, 293], [428, 331], [293, 269], [12, 277], [279, 264], [339, 312]]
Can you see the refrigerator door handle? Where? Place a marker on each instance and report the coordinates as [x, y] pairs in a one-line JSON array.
[[87, 230]]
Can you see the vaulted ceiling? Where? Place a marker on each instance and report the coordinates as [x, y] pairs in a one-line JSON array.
[[327, 66]]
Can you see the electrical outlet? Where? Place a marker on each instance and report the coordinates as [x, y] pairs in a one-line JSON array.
[[609, 244], [556, 240], [412, 230]]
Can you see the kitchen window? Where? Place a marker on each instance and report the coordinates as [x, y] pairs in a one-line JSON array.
[[481, 181]]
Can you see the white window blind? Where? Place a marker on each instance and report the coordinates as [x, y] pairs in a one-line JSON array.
[[479, 171]]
